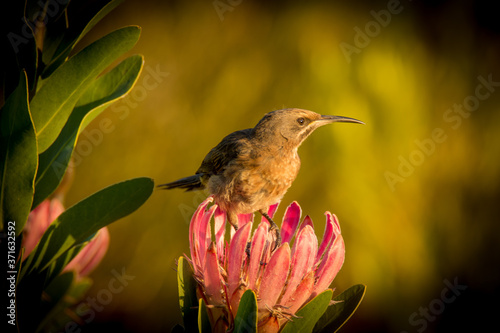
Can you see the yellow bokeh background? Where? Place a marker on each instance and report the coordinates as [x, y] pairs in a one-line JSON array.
[[416, 208]]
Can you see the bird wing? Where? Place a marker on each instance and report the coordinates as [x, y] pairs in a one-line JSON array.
[[227, 150]]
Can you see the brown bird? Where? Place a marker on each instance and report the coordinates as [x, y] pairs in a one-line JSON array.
[[251, 169]]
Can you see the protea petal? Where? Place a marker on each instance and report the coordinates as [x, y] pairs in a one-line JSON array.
[[274, 277], [244, 219], [330, 266], [194, 242], [220, 229], [220, 325], [256, 254], [91, 255], [269, 246], [284, 279], [270, 325], [303, 258], [236, 256], [38, 221], [271, 211], [290, 222], [212, 279], [212, 293], [236, 297], [301, 293], [336, 223], [307, 221], [204, 233], [328, 236], [102, 244]]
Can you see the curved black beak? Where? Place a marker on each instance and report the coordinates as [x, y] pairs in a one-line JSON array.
[[332, 119]]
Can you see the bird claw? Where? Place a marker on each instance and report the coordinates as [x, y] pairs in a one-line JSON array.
[[274, 227], [247, 249], [277, 241]]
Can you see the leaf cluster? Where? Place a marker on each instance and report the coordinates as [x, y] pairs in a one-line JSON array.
[[49, 95]]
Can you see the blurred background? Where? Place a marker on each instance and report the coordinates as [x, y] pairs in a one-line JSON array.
[[416, 189]]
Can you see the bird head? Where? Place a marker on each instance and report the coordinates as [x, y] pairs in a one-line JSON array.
[[293, 126]]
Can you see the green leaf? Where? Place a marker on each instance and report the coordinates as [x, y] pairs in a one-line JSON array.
[[102, 92], [187, 295], [80, 221], [58, 265], [246, 317], [18, 156], [54, 101], [20, 53], [74, 26], [309, 313], [345, 305], [203, 320], [108, 88]]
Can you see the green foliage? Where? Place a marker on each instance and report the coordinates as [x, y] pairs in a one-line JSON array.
[[56, 97], [187, 295], [203, 320], [99, 95], [343, 308], [18, 154], [57, 46], [309, 314], [246, 317], [79, 222]]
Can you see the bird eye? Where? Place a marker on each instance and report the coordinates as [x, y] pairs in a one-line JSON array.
[[301, 121]]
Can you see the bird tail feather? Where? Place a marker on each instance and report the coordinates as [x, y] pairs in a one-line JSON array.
[[188, 183]]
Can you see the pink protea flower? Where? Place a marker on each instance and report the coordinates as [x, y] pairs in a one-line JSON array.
[[284, 278], [39, 221], [91, 255]]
